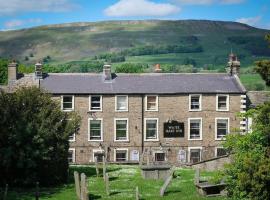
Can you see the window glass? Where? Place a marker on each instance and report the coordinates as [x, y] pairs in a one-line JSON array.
[[151, 103], [222, 128], [121, 103], [71, 156], [151, 129], [72, 137], [95, 102], [221, 152], [195, 129], [159, 156], [195, 102], [95, 129], [121, 155], [222, 103], [121, 129], [67, 103], [98, 156], [195, 155]]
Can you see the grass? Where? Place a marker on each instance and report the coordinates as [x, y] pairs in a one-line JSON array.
[[253, 82], [123, 181]]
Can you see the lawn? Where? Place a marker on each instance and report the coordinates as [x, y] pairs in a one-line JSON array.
[[253, 82], [123, 181]]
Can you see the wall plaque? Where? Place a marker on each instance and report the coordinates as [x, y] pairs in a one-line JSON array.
[[134, 155], [173, 129]]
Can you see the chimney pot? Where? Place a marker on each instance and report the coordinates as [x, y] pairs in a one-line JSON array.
[[107, 73], [233, 66], [13, 71]]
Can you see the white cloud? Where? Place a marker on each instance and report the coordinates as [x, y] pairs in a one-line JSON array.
[[208, 2], [252, 21], [15, 23], [127, 8], [9, 7]]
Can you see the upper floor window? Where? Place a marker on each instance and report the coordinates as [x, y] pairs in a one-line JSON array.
[[121, 129], [95, 103], [121, 103], [67, 103], [72, 138], [195, 102], [222, 128], [95, 130], [152, 103], [195, 128], [151, 129], [222, 102]]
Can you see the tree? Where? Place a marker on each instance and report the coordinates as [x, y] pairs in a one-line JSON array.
[[248, 175], [3, 71], [34, 136], [263, 67]]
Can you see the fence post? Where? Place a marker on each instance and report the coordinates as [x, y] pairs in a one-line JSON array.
[[77, 185], [104, 167], [107, 184]]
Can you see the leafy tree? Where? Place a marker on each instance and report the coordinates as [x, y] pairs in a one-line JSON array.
[[34, 136], [130, 68], [248, 175], [263, 67], [3, 71]]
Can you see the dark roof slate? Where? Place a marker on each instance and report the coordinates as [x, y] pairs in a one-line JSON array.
[[158, 83]]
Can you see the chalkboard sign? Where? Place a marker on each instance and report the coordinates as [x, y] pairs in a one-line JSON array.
[[173, 129]]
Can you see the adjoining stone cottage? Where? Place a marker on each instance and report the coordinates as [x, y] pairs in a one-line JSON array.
[[175, 118]]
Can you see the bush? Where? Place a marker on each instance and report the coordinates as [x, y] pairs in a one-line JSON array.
[[130, 68], [34, 135]]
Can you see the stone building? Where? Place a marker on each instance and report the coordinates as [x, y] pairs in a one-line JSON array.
[[153, 117]]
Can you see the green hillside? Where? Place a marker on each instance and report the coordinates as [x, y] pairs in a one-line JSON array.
[[203, 43]]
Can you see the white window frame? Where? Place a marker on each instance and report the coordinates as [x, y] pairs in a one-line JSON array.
[[201, 127], [101, 127], [101, 103], [165, 155], [149, 140], [146, 100], [117, 102], [227, 102], [62, 103], [189, 154], [74, 138], [222, 118], [127, 133], [120, 149], [96, 151], [73, 154], [218, 147], [200, 102]]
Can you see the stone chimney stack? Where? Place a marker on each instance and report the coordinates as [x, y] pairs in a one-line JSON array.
[[13, 71], [233, 66], [157, 68], [107, 72], [38, 71]]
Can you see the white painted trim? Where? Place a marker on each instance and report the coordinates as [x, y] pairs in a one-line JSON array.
[[216, 119], [126, 110], [149, 140], [74, 136], [127, 132], [190, 148], [121, 149], [200, 103], [73, 103], [227, 102], [73, 154], [95, 151], [101, 103], [201, 126], [145, 103], [89, 119]]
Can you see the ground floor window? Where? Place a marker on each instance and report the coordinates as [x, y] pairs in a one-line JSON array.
[[71, 155], [121, 155], [98, 155], [160, 156], [220, 151], [195, 154]]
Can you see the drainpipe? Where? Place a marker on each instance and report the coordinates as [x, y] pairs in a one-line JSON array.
[[142, 123]]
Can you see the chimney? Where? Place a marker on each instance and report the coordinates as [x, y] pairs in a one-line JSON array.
[[12, 71], [157, 68], [233, 66], [38, 71], [107, 73]]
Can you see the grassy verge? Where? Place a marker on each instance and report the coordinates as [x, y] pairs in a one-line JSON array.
[[123, 181]]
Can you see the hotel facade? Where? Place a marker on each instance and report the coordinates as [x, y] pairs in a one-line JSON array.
[[153, 117]]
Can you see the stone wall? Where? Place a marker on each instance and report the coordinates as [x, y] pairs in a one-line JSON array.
[[212, 164]]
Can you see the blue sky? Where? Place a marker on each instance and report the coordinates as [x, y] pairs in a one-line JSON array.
[[16, 14]]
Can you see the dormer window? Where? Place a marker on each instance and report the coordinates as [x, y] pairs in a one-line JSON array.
[[67, 103]]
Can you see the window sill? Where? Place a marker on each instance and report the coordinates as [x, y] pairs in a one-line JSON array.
[[121, 140], [121, 110], [195, 110], [67, 110], [151, 140], [95, 111], [95, 140], [199, 139]]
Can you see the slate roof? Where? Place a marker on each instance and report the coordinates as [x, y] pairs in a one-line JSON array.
[[151, 83]]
